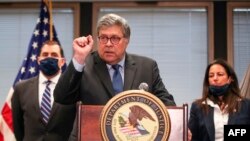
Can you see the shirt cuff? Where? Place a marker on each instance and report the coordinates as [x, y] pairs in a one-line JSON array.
[[77, 66]]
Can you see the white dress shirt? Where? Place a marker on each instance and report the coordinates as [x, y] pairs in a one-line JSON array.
[[220, 119], [42, 85]]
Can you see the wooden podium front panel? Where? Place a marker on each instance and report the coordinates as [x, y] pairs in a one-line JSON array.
[[89, 123], [90, 129]]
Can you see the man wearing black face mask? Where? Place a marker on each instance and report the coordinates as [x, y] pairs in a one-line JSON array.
[[36, 117]]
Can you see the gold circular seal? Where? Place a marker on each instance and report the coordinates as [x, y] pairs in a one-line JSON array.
[[135, 115]]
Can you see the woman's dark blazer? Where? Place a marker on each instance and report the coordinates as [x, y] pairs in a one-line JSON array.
[[202, 125]]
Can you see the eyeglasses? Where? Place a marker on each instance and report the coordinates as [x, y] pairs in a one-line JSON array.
[[114, 39]]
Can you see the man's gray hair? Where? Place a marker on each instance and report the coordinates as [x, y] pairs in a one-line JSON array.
[[114, 19]]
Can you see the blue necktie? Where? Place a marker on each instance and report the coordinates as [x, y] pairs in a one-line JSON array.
[[117, 79], [45, 104]]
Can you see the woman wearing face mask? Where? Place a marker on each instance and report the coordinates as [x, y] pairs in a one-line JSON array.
[[221, 104]]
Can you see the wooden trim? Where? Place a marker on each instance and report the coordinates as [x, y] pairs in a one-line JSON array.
[[230, 31], [79, 120], [208, 5], [230, 55], [76, 10], [210, 9], [95, 10], [185, 121]]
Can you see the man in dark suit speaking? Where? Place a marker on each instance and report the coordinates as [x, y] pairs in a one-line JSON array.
[[89, 76]]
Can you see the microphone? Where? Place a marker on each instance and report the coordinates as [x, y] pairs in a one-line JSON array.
[[143, 86]]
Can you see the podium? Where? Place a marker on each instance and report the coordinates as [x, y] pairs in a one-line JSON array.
[[89, 122], [132, 115]]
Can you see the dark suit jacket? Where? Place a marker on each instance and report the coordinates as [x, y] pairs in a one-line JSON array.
[[27, 118], [93, 86], [202, 126]]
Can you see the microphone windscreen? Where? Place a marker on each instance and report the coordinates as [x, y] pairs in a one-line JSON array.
[[143, 86]]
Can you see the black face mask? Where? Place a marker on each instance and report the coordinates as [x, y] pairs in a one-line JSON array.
[[49, 66], [218, 90]]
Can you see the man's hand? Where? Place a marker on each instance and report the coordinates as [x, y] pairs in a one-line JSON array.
[[82, 46]]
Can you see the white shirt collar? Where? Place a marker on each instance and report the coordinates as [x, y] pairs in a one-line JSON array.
[[43, 79], [121, 63], [212, 104]]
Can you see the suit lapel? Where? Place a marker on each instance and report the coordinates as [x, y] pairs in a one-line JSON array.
[[210, 123], [102, 71], [34, 95], [53, 111], [129, 72]]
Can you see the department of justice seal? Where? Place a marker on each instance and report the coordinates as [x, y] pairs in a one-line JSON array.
[[135, 115]]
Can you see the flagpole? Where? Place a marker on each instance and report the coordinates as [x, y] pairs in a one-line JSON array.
[[51, 21]]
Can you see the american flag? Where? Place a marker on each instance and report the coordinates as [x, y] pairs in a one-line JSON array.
[[130, 131], [29, 67]]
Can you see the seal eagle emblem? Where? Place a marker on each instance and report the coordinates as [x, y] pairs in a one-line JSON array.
[[135, 115]]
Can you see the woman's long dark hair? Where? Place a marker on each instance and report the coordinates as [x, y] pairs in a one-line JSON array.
[[232, 97]]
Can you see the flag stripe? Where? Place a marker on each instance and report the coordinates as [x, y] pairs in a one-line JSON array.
[[1, 136], [7, 115]]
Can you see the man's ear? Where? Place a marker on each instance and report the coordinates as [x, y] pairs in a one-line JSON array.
[[62, 62]]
